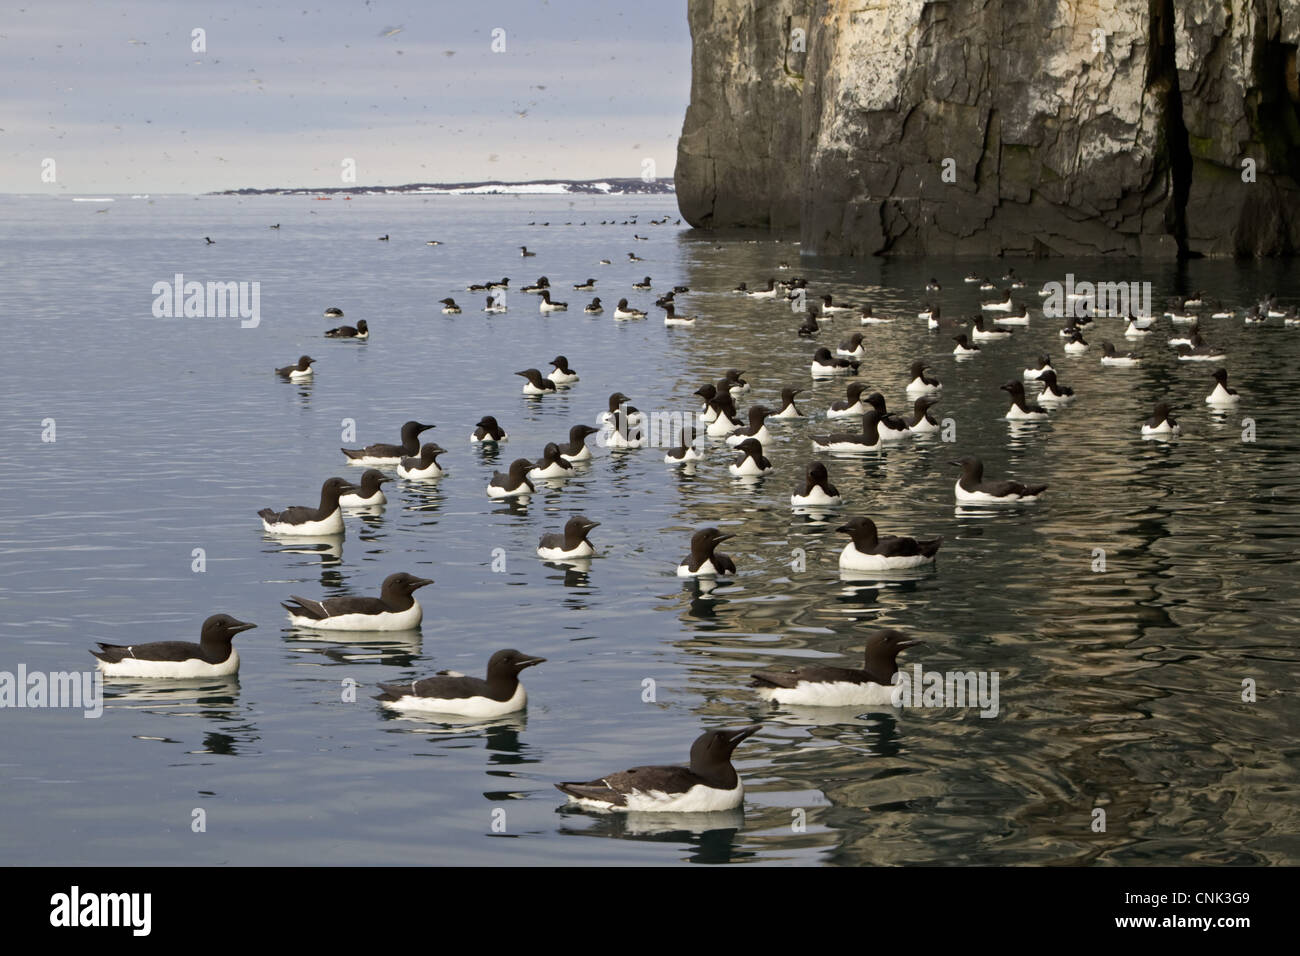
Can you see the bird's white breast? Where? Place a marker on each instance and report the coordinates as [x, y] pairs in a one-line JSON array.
[[330, 524], [193, 667], [384, 621], [461, 706]]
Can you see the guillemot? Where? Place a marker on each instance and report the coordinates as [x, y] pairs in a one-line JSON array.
[[326, 518], [368, 492], [571, 542], [919, 382], [704, 561], [788, 408], [755, 429], [298, 372], [384, 454], [1161, 423], [551, 465], [425, 465], [851, 406], [816, 490], [708, 785], [820, 685], [561, 374], [487, 430], [360, 331], [513, 483], [213, 656], [1222, 394], [1021, 409], [972, 488], [868, 551], [751, 461], [499, 694], [866, 440], [394, 610], [536, 385], [575, 449]]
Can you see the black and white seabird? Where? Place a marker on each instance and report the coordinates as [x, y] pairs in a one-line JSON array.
[[571, 542], [1161, 423], [546, 305], [971, 487], [594, 307], [360, 331], [816, 490], [536, 385], [326, 518], [368, 492], [851, 405], [575, 449], [552, 464], [560, 373], [819, 685], [513, 483], [1112, 358], [449, 307], [788, 408], [868, 551], [891, 427], [703, 561], [922, 421], [854, 442], [755, 429], [751, 461], [684, 450], [499, 694], [1053, 392], [1223, 394], [1022, 409], [394, 610], [424, 465], [709, 784], [487, 430], [384, 454], [852, 347], [625, 311], [824, 363], [298, 372], [333, 312], [213, 656], [918, 382]]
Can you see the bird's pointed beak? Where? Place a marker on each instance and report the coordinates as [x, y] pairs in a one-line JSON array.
[[420, 582], [736, 736], [240, 626], [530, 662], [722, 537], [957, 463], [905, 644]]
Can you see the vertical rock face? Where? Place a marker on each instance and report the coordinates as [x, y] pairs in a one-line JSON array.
[[1074, 127], [740, 144]]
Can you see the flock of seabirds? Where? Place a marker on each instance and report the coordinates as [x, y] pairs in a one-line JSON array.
[[709, 782]]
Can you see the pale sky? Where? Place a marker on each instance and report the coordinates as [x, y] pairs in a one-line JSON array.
[[115, 95]]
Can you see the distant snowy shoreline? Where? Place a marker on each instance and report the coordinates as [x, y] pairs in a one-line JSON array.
[[595, 187]]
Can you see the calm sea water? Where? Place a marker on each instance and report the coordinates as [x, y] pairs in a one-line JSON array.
[[1119, 689]]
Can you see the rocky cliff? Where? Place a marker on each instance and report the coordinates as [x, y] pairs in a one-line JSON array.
[[1019, 127]]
